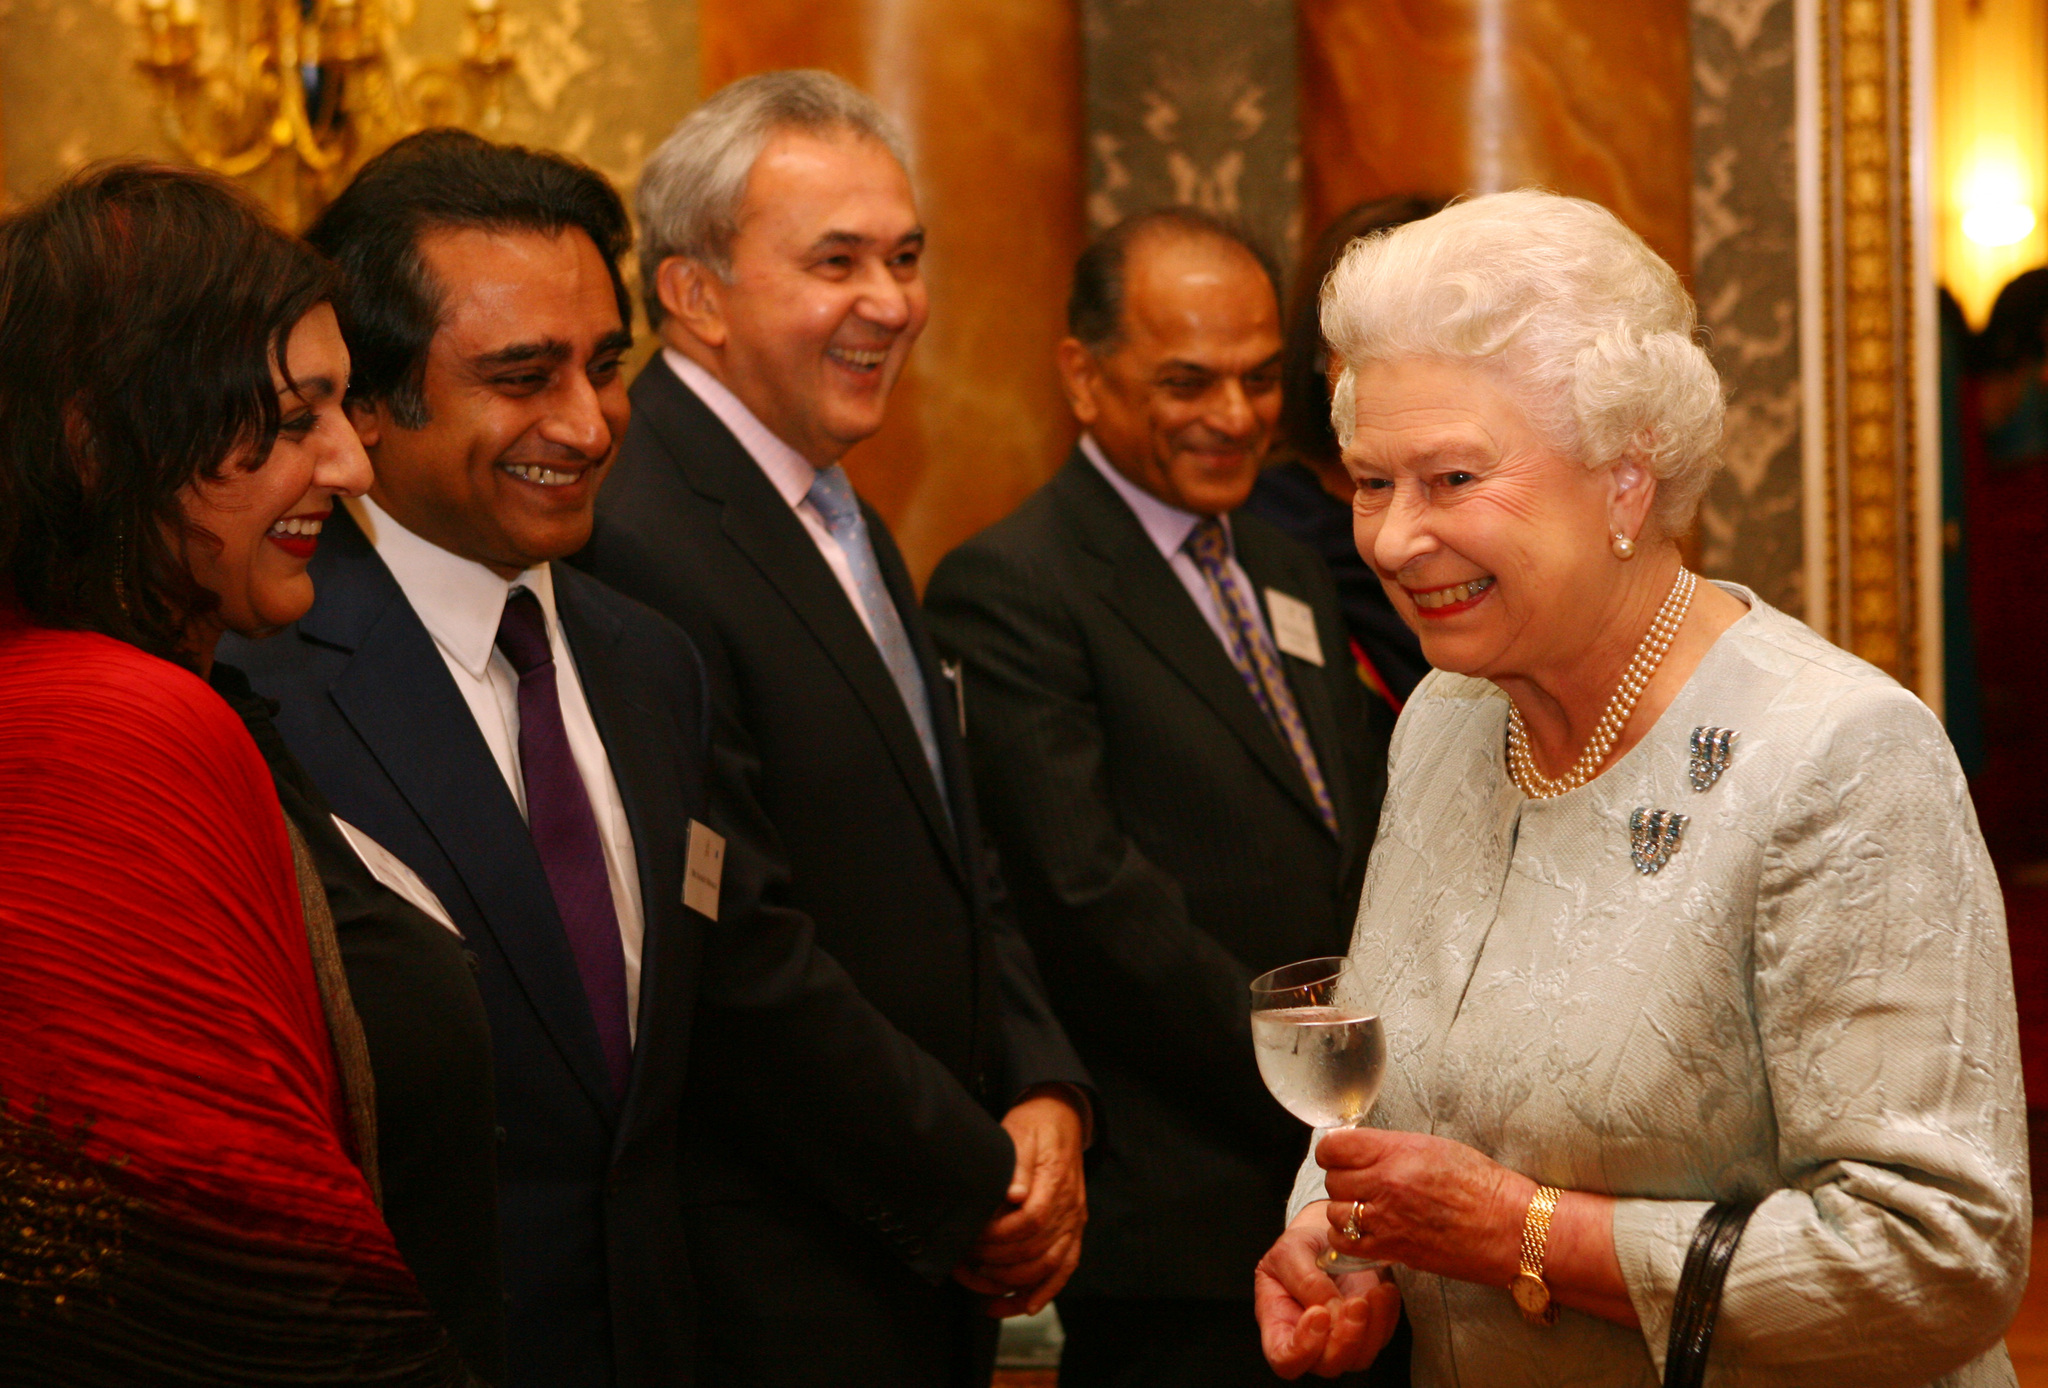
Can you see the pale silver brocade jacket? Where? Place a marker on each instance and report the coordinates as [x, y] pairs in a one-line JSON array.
[[1813, 999]]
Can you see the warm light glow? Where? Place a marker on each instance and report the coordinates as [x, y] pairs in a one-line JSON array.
[[1994, 198], [1999, 224], [1991, 135]]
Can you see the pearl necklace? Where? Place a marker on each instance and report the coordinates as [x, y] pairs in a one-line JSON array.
[[1649, 655]]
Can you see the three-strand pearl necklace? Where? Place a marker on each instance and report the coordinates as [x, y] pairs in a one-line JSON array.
[[1649, 655]]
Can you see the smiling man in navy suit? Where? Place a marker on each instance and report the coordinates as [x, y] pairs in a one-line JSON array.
[[780, 258], [544, 753]]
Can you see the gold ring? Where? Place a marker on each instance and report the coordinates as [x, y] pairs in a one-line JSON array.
[[1351, 1229]]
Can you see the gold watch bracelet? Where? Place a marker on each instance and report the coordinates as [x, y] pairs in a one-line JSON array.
[[1531, 1292]]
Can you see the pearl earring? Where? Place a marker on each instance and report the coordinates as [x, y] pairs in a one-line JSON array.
[[1624, 548]]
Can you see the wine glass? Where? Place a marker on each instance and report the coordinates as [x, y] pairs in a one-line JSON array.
[[1320, 1051]]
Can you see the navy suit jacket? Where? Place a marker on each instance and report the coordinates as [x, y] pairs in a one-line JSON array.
[[597, 1276], [894, 876]]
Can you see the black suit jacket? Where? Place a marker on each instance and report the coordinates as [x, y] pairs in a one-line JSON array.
[[1164, 848], [597, 1274], [894, 875]]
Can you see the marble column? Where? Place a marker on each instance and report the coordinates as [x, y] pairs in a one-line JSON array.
[[989, 95], [1452, 96]]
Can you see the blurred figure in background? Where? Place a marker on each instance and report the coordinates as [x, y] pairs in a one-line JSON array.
[[1308, 495], [2004, 443]]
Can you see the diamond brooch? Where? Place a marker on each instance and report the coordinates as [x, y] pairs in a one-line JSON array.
[[1653, 836], [1710, 748]]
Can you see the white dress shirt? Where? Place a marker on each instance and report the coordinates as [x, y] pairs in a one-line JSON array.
[[788, 471], [1169, 528], [460, 602]]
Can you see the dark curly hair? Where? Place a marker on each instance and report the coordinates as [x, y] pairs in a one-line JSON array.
[[141, 310], [442, 180], [1305, 363]]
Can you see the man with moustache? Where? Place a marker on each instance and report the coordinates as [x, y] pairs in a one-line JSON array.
[[541, 752], [1176, 765], [780, 249]]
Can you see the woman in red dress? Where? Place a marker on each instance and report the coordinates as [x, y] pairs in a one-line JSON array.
[[181, 1193]]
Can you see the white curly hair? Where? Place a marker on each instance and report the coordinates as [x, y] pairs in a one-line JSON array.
[[1589, 328]]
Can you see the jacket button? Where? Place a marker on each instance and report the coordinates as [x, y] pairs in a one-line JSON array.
[[476, 965], [501, 1133]]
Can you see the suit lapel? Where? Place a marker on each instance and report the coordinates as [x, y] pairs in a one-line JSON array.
[[762, 526], [639, 743], [397, 695], [1141, 587]]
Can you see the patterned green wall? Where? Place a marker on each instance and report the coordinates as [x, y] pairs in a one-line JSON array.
[[1193, 101]]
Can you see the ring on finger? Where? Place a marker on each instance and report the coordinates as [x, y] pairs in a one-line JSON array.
[[1352, 1229]]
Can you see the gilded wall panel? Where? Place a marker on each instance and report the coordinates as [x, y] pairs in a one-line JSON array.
[[1872, 482], [1745, 245], [1194, 104], [604, 82]]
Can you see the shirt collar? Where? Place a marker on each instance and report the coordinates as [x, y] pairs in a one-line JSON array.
[[1168, 526], [788, 471], [459, 601]]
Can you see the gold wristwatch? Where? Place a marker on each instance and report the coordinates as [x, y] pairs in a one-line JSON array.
[[1532, 1293]]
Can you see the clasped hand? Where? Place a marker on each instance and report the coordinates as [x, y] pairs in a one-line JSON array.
[[1029, 1250]]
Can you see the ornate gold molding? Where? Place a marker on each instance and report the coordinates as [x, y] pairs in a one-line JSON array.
[[301, 93], [1867, 488]]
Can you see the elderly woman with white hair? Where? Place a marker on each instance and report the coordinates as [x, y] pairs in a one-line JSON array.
[[1676, 910]]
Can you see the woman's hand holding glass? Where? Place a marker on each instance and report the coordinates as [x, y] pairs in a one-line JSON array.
[[1439, 1206], [1321, 1052]]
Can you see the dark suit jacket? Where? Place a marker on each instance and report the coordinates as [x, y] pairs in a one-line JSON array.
[[1164, 848], [598, 1280], [414, 989], [900, 889]]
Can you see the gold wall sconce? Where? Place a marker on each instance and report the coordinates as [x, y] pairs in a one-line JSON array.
[[299, 94]]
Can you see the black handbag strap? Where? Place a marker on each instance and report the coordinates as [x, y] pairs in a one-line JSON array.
[[1699, 1292]]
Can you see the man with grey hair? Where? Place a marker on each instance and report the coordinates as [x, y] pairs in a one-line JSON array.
[[780, 255]]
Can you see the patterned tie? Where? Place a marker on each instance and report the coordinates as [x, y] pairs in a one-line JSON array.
[[833, 495], [1251, 651], [565, 831]]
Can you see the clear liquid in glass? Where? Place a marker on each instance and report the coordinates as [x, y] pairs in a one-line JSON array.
[[1324, 1064], [1316, 1034]]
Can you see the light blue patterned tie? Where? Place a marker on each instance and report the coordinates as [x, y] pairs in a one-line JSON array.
[[833, 495]]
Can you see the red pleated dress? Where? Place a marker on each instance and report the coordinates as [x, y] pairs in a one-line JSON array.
[[178, 1201]]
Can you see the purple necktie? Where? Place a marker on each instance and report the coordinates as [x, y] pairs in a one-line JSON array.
[[565, 831]]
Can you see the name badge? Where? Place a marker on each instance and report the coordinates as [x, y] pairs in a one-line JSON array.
[[1294, 627], [703, 870], [387, 867]]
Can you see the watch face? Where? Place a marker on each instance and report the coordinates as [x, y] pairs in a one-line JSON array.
[[1530, 1294]]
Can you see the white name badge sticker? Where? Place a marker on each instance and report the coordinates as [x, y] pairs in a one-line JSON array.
[[388, 868], [703, 870], [1294, 627]]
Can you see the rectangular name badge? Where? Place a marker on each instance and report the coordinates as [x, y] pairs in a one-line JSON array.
[[1294, 627], [703, 870], [388, 868]]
